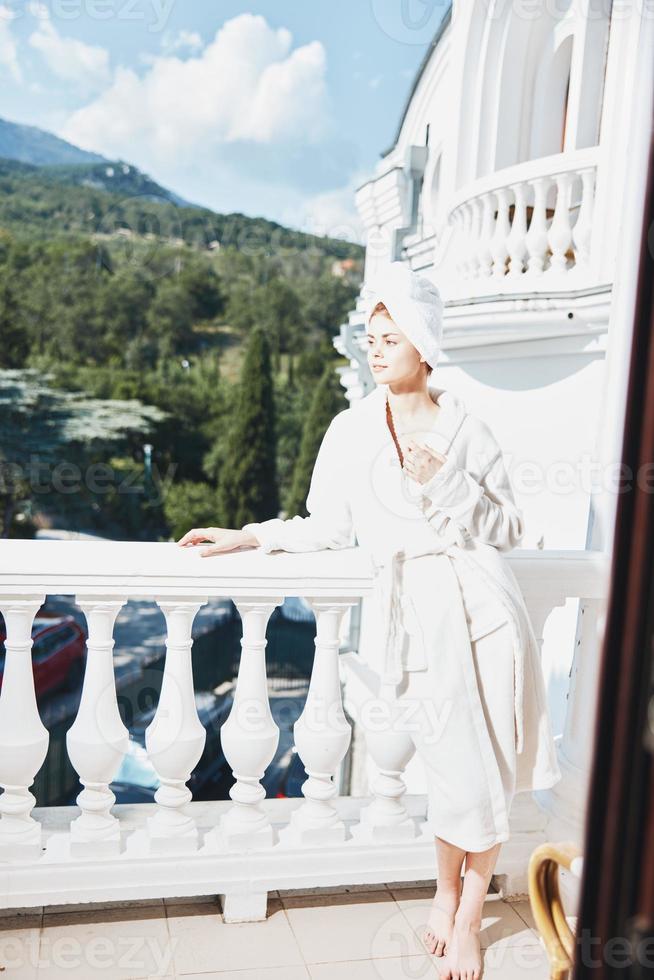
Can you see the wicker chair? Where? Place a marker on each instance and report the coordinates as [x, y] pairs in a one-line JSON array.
[[546, 905]]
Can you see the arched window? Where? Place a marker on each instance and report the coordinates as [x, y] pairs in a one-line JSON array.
[[532, 86], [565, 115], [549, 119]]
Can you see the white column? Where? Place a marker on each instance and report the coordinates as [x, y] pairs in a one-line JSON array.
[[566, 801], [464, 218], [175, 738], [582, 231], [97, 740], [536, 238], [559, 236], [517, 236], [322, 734], [499, 244], [484, 254], [474, 234], [386, 818], [249, 736], [23, 737]]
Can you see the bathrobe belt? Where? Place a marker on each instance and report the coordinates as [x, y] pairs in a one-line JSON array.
[[388, 585]]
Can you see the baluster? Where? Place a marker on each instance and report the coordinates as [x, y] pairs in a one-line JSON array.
[[322, 734], [464, 221], [484, 254], [386, 818], [560, 233], [249, 736], [516, 241], [447, 246], [23, 736], [536, 238], [453, 246], [97, 740], [472, 243], [582, 231], [499, 248], [175, 738]]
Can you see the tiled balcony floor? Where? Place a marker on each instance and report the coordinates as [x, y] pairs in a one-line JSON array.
[[369, 932]]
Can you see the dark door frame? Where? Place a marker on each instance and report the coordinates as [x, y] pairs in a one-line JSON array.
[[615, 933]]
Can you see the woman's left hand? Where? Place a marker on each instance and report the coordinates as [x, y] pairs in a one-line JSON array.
[[420, 461]]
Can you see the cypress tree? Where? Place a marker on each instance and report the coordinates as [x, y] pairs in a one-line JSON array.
[[247, 487], [328, 399]]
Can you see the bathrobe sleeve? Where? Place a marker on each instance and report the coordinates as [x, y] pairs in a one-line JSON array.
[[483, 505], [329, 524]]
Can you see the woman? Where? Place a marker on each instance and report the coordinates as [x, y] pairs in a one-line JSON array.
[[410, 475]]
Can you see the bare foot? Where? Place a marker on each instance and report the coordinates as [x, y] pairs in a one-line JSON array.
[[440, 921], [463, 959]]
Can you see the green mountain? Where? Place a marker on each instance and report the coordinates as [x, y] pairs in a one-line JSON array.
[[43, 203], [32, 145], [50, 188], [117, 177]]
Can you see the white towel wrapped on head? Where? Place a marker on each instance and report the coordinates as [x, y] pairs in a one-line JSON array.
[[415, 305]]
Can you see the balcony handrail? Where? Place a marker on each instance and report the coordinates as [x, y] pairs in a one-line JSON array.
[[81, 853], [549, 166], [142, 568]]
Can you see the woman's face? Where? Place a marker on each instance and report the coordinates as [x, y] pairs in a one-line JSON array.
[[391, 355]]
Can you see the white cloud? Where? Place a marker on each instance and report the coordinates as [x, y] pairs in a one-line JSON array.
[[69, 58], [8, 45], [245, 85], [183, 41], [241, 124], [333, 213]]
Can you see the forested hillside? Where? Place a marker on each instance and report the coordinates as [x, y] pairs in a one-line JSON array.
[[114, 197], [110, 288]]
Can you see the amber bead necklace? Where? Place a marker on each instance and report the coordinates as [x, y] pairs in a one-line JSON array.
[[391, 425]]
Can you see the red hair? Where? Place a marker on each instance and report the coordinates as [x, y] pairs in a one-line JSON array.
[[380, 308]]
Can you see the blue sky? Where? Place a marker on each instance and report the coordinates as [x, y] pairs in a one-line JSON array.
[[277, 109]]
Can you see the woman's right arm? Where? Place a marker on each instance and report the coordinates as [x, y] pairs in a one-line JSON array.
[[329, 524]]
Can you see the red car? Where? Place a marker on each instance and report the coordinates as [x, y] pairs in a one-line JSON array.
[[58, 653]]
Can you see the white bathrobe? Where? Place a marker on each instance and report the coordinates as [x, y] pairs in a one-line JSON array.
[[437, 551]]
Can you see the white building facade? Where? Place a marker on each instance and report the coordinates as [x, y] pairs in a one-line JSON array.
[[515, 182]]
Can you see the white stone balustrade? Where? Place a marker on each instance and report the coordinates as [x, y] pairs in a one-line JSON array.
[[97, 740], [242, 847], [175, 738], [528, 225], [322, 732], [23, 737], [250, 735]]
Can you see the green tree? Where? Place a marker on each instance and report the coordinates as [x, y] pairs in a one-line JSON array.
[[278, 313], [248, 478], [328, 400], [326, 301], [189, 504], [203, 289], [14, 343], [170, 318], [241, 309], [122, 305]]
